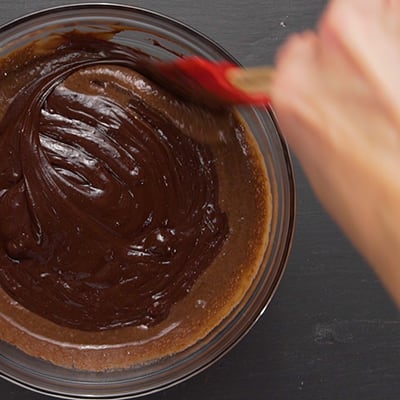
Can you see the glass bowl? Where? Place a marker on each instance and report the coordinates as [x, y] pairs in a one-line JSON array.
[[145, 29]]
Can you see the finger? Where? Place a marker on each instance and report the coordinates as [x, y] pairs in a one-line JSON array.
[[367, 32], [291, 84]]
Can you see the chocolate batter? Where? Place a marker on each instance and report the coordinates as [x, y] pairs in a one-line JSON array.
[[111, 212], [117, 203]]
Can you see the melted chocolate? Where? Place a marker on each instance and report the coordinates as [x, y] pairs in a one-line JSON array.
[[109, 211]]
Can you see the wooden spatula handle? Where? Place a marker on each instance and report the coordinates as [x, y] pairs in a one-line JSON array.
[[251, 80]]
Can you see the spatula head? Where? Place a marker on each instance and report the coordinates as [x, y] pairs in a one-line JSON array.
[[203, 82]]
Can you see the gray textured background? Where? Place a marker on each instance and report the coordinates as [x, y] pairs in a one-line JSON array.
[[331, 332]]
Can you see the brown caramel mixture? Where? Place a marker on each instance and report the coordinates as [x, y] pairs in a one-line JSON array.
[[126, 213]]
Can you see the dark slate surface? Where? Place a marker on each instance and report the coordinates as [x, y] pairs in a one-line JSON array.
[[331, 332]]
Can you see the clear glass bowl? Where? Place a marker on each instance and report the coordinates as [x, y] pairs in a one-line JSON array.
[[145, 27]]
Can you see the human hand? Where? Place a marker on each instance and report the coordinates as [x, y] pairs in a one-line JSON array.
[[336, 94]]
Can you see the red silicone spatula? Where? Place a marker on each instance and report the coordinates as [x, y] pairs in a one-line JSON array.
[[216, 83]]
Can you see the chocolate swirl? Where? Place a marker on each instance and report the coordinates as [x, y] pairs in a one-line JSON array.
[[109, 211]]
